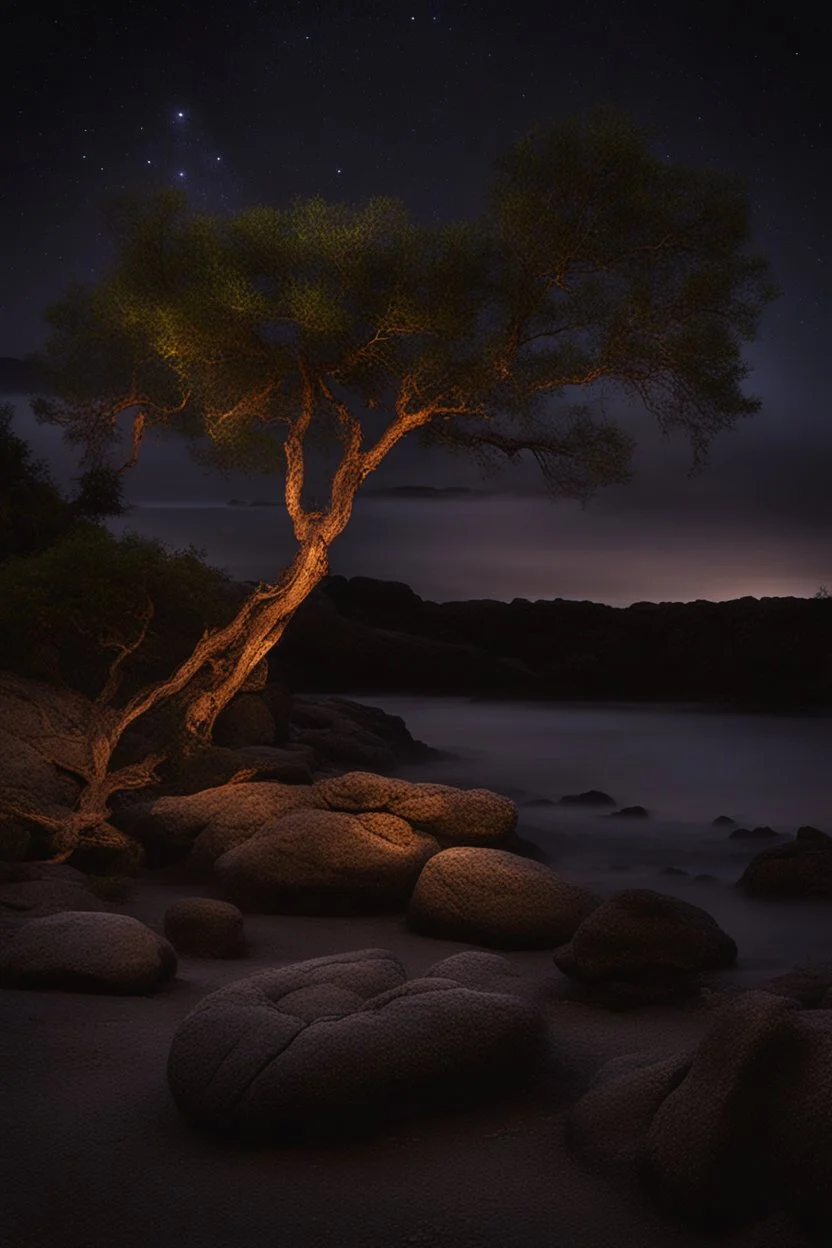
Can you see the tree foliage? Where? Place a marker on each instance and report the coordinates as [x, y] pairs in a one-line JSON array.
[[593, 263]]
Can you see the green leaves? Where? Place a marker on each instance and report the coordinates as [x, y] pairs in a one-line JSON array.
[[595, 262]]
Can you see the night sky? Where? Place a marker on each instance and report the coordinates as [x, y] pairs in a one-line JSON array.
[[259, 102]]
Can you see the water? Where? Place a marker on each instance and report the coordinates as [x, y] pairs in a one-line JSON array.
[[686, 765]]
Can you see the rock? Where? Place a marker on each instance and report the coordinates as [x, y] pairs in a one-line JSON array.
[[15, 837], [746, 834], [326, 862], [492, 897], [800, 868], [285, 766], [279, 701], [246, 720], [723, 821], [673, 871], [592, 797], [246, 807], [606, 1130], [461, 816], [47, 896], [205, 927], [799, 1132], [341, 1045], [708, 1154], [643, 935], [629, 812], [807, 984], [487, 972], [78, 951], [55, 722], [237, 824]]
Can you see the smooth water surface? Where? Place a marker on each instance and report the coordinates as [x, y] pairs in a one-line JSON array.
[[686, 765]]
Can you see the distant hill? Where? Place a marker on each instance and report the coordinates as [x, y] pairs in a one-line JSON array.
[[19, 377]]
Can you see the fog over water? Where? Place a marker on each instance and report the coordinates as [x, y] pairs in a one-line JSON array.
[[686, 765]]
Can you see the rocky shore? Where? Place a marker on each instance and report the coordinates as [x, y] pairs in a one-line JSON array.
[[370, 636], [330, 978]]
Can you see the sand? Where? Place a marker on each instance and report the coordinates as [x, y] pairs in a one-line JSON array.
[[95, 1152]]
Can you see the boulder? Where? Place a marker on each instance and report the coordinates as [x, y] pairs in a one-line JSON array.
[[642, 935], [723, 821], [807, 984], [180, 818], [326, 862], [492, 897], [607, 1128], [800, 868], [35, 897], [279, 701], [79, 951], [751, 834], [709, 1157], [205, 927], [341, 1045], [799, 1134], [629, 812], [246, 720], [461, 816], [592, 797]]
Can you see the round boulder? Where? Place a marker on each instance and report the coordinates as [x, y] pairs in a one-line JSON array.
[[800, 868], [337, 1046], [326, 862], [82, 951], [461, 816], [493, 897], [246, 720], [607, 1128], [205, 927], [708, 1153], [638, 933]]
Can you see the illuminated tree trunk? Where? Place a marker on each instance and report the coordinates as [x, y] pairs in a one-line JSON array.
[[257, 631]]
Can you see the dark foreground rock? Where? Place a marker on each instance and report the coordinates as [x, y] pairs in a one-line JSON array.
[[641, 946], [86, 952], [339, 1046], [205, 927]]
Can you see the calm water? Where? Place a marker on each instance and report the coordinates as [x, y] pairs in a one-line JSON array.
[[684, 764]]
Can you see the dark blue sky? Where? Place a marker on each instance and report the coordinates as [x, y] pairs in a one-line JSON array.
[[415, 101]]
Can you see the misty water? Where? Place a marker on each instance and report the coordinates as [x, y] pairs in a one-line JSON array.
[[686, 765]]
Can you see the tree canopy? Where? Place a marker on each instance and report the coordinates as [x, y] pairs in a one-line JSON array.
[[256, 334]]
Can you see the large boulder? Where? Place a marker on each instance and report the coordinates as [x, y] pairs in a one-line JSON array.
[[607, 1128], [339, 1045], [326, 862], [800, 868], [799, 1096], [458, 816], [32, 891], [82, 951], [205, 927], [710, 1156], [246, 807], [246, 720], [641, 947], [493, 897]]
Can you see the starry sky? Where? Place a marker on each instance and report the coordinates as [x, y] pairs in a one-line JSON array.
[[257, 101]]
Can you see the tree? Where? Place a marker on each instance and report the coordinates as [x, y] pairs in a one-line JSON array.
[[266, 335]]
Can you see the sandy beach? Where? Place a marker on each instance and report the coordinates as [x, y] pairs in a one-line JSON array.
[[97, 1154]]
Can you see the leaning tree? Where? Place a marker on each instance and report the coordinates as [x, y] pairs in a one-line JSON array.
[[263, 336]]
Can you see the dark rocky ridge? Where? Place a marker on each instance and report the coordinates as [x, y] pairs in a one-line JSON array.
[[370, 636]]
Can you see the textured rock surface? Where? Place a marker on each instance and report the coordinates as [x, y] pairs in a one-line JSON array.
[[97, 952], [326, 862], [492, 897], [205, 927], [339, 1045], [462, 816], [800, 868]]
